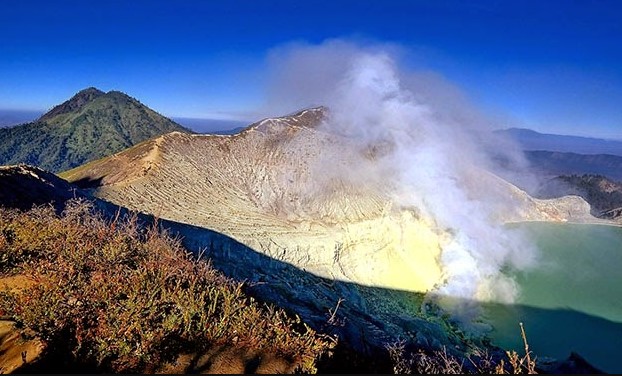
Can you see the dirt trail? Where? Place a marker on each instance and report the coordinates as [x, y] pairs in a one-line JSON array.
[[17, 348]]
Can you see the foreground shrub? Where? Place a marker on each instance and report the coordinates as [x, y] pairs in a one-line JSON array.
[[124, 299], [480, 361]]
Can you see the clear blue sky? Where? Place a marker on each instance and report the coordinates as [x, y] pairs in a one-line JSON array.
[[555, 66]]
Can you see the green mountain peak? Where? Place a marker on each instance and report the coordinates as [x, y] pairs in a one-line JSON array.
[[75, 103], [90, 125]]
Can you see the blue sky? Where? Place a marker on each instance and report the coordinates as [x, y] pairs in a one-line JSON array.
[[555, 66]]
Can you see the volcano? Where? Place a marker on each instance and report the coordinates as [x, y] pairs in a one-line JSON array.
[[265, 188]]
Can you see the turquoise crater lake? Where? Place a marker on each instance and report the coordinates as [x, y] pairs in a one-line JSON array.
[[571, 300]]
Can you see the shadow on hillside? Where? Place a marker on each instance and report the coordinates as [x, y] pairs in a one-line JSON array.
[[384, 313], [86, 183], [369, 318], [558, 332]]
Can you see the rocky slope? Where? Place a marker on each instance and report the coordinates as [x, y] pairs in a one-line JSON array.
[[263, 188], [316, 300], [24, 186], [613, 214], [90, 125], [604, 195]]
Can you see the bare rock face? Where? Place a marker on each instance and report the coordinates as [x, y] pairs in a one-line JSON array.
[[257, 187], [614, 215], [308, 225], [23, 186], [262, 188], [523, 207]]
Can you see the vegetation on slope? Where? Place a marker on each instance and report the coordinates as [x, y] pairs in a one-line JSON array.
[[111, 296], [89, 126], [603, 194], [108, 296]]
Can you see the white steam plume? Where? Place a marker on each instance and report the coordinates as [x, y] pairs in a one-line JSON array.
[[439, 150]]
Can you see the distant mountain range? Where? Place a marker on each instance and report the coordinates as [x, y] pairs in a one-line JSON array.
[[90, 125], [550, 155], [532, 140], [552, 163], [571, 165]]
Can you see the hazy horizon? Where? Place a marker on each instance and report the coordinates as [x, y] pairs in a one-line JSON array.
[[12, 117], [549, 66], [9, 118]]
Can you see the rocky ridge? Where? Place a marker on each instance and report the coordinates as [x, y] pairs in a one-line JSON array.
[[261, 187]]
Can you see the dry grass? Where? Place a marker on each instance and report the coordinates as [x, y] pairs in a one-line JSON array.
[[518, 364], [119, 298], [441, 362]]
